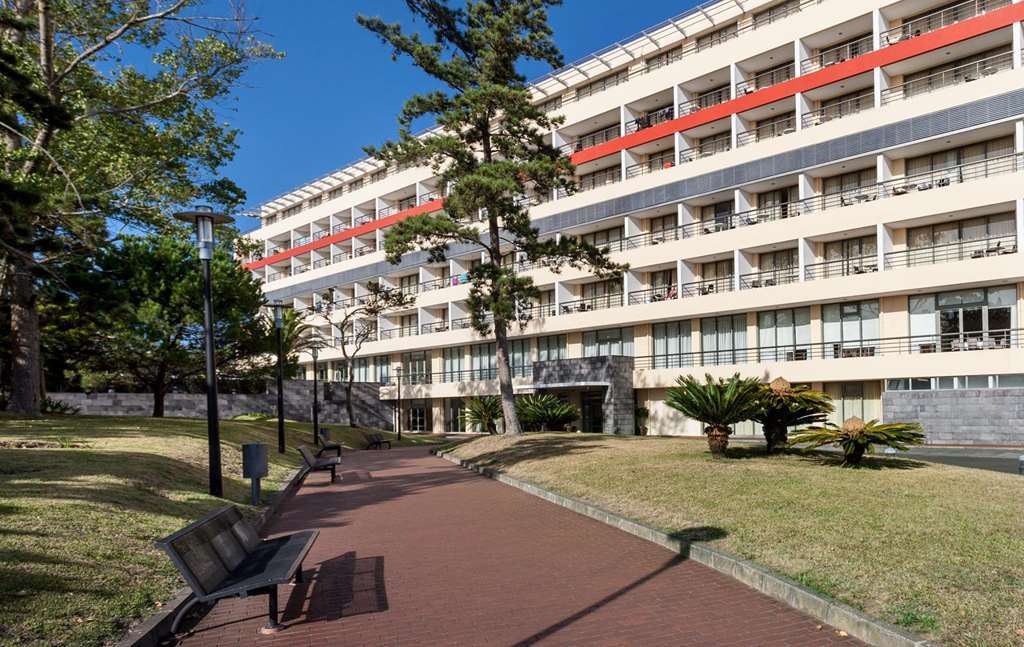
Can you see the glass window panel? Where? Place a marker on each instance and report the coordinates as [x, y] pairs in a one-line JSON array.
[[899, 384], [946, 383], [974, 229], [977, 382], [831, 324], [1015, 381], [1002, 296], [920, 384]]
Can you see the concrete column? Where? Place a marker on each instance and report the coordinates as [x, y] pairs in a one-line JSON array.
[[631, 282], [878, 25], [1018, 137], [805, 256], [437, 408], [677, 98], [742, 201], [632, 226], [804, 186], [803, 106], [626, 159], [883, 166], [736, 75], [695, 339], [685, 273], [563, 294], [800, 54], [884, 243], [881, 84], [684, 214], [1018, 43], [1020, 222], [736, 128], [742, 264]]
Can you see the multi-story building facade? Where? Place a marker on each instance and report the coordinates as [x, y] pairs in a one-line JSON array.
[[827, 191]]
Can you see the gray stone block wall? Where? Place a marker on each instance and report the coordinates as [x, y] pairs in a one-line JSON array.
[[961, 416], [369, 410], [614, 371]]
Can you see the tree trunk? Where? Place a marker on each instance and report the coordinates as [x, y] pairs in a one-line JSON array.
[[774, 436], [348, 398], [718, 440], [159, 394], [853, 456], [508, 404], [25, 373]]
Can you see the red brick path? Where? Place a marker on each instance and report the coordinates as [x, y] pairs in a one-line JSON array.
[[416, 551]]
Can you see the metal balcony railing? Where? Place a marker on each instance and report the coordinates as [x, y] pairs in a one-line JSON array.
[[765, 79], [276, 250], [344, 302], [274, 276], [949, 252], [400, 331], [767, 213], [300, 241], [940, 19], [430, 196], [437, 326], [541, 311], [364, 250], [300, 269], [656, 163], [362, 220], [650, 119], [320, 234], [338, 228], [341, 256], [435, 284], [406, 203], [654, 295], [841, 267], [704, 150], [591, 139], [596, 180], [589, 304], [648, 238], [463, 323], [703, 101], [839, 110], [955, 76], [323, 262], [770, 130], [708, 286], [769, 278], [837, 54]]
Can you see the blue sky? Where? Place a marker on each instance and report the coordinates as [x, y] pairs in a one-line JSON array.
[[337, 88]]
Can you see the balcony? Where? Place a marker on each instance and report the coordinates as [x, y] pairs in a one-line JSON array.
[[776, 128], [837, 54], [769, 278], [341, 256], [839, 110], [437, 326], [300, 269], [274, 276], [387, 210], [323, 262], [430, 196], [653, 295], [650, 119], [765, 79], [949, 252], [400, 331], [364, 250], [337, 229], [703, 101], [435, 284], [748, 218], [705, 150], [655, 163], [709, 286], [467, 322], [596, 180], [300, 241], [961, 74], [841, 267], [362, 220], [589, 304], [648, 238], [592, 139], [939, 19], [320, 234]]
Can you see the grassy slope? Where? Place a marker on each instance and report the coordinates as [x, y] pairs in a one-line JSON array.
[[935, 548], [77, 562]]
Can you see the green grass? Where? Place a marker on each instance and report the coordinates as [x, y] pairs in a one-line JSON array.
[[935, 548], [80, 509]]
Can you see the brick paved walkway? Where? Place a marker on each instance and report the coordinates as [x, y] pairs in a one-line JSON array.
[[416, 551]]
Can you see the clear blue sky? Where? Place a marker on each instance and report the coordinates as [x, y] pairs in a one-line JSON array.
[[337, 88]]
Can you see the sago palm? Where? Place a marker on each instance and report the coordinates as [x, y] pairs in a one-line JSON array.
[[717, 404], [857, 437], [784, 406], [544, 412], [483, 412]]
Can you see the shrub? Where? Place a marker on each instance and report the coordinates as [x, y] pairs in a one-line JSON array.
[[545, 412], [483, 412], [857, 437], [718, 404], [784, 406], [58, 407]]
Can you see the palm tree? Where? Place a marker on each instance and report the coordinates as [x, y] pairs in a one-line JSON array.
[[545, 412], [484, 412], [857, 437], [718, 404], [297, 336], [784, 406]]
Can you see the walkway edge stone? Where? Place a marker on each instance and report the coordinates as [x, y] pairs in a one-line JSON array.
[[151, 631], [855, 623]]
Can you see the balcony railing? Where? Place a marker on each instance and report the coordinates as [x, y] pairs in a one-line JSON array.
[[400, 331], [435, 284], [765, 79], [767, 213], [650, 119], [320, 234], [709, 286], [837, 54], [463, 323], [437, 326], [591, 139], [703, 101], [430, 196], [596, 180], [704, 150], [949, 252], [656, 163], [409, 290], [770, 130], [300, 241], [841, 267], [961, 74], [323, 262], [839, 110], [1006, 339], [362, 220], [276, 250], [769, 278], [541, 311], [300, 269], [341, 256], [338, 228], [274, 276], [364, 250], [589, 304], [940, 19], [648, 238], [654, 295], [386, 211]]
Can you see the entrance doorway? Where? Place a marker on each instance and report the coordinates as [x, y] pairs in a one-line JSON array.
[[592, 412]]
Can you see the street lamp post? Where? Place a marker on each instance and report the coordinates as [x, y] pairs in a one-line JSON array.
[[204, 219], [278, 327], [398, 375], [315, 349]]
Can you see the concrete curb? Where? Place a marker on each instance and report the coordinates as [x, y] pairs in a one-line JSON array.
[[154, 629], [857, 624]]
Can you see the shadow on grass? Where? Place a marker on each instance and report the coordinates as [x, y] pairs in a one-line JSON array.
[[540, 448]]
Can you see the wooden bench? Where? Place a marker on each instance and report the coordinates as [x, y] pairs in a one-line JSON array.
[[222, 556], [314, 464]]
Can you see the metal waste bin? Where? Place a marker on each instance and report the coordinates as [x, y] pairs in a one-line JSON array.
[[254, 466]]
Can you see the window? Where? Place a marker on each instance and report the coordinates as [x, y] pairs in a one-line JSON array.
[[662, 223], [599, 289], [713, 144], [723, 339], [408, 284], [416, 368], [665, 58], [608, 342], [603, 238], [713, 98], [782, 261], [779, 11], [850, 329], [784, 335], [550, 348], [663, 278], [452, 364], [952, 72], [602, 84], [860, 399], [778, 199], [973, 319], [519, 357], [716, 37], [417, 415], [775, 126], [851, 248], [946, 233], [483, 361], [383, 368], [846, 104], [593, 180], [551, 104], [718, 215], [672, 344], [953, 157], [454, 420], [336, 193], [849, 183]]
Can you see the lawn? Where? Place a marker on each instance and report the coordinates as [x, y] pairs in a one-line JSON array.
[[935, 548], [83, 498]]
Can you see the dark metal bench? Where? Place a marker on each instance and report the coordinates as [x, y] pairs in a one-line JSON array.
[[326, 445], [222, 556], [376, 441], [314, 464]]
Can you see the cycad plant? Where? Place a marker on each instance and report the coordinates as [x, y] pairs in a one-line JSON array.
[[718, 404], [857, 437], [545, 412], [784, 406], [483, 412]]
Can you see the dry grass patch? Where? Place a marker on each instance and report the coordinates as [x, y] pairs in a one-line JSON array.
[[934, 548]]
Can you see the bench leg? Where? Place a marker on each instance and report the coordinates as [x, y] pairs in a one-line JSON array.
[[181, 614], [333, 474], [272, 626], [298, 575]]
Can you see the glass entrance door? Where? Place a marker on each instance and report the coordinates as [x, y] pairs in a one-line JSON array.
[[592, 413]]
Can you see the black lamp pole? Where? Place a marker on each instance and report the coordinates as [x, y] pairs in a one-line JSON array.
[[316, 397], [278, 327], [204, 219], [398, 374]]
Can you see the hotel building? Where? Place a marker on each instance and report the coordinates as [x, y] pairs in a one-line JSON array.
[[821, 190]]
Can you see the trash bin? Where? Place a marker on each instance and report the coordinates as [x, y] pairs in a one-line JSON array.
[[254, 466]]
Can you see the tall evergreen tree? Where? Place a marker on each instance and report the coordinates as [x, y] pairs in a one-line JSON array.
[[490, 149]]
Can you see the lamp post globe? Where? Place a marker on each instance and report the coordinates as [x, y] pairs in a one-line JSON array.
[[204, 219]]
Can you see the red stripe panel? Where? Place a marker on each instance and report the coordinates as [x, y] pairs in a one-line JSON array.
[[426, 207], [878, 58]]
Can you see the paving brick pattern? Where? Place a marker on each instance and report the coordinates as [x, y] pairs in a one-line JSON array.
[[416, 551]]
